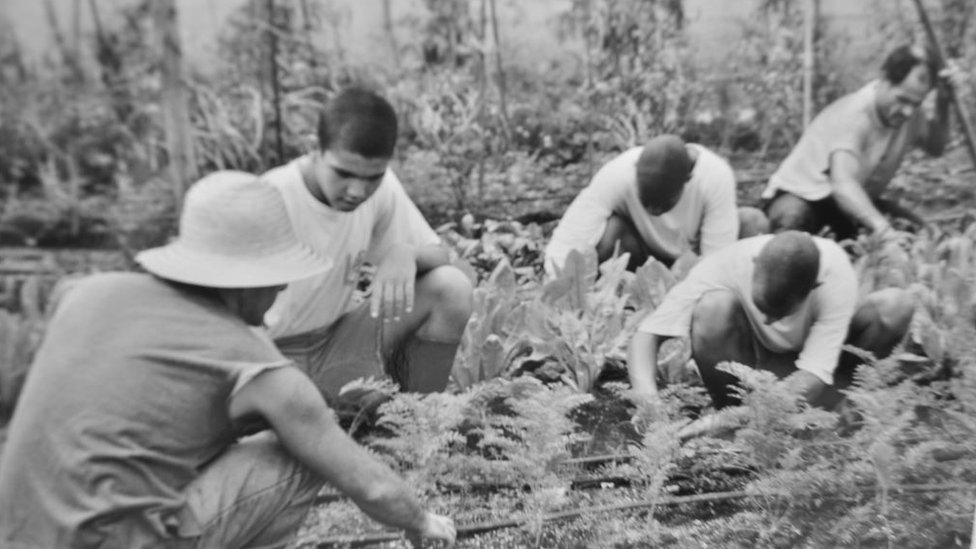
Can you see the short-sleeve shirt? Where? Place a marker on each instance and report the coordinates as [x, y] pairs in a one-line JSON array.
[[348, 238], [126, 401], [817, 329], [705, 219], [850, 124]]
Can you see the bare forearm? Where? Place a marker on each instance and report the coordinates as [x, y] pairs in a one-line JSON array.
[[370, 483], [320, 444], [896, 209], [307, 429], [642, 362], [854, 201]]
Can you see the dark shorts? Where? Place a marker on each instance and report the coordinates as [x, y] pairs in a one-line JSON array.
[[786, 211]]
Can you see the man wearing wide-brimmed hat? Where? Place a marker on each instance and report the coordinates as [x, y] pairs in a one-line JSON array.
[[348, 205], [129, 429]]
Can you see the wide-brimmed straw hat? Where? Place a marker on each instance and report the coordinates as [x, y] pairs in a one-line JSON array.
[[234, 233]]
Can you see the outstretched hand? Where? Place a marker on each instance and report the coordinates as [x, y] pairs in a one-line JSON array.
[[955, 77], [437, 527]]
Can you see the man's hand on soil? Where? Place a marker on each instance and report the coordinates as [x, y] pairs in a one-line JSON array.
[[436, 527]]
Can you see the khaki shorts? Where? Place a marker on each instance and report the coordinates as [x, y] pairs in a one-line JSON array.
[[349, 349]]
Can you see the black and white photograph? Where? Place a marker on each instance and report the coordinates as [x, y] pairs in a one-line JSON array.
[[487, 274]]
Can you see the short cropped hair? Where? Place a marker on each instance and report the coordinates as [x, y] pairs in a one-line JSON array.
[[788, 266], [903, 59], [360, 121]]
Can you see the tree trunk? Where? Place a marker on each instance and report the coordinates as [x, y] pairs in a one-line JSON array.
[[500, 67], [175, 104], [275, 85], [307, 29], [388, 29], [68, 56]]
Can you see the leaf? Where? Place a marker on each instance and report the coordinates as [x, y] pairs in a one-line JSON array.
[[932, 342], [577, 276], [956, 292], [612, 273], [492, 358], [683, 265], [651, 282], [502, 277]]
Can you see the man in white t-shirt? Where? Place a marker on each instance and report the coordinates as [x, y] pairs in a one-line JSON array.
[[836, 174], [347, 204], [784, 303], [659, 200]]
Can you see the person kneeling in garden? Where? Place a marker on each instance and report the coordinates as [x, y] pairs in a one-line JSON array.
[[131, 429], [659, 200], [837, 173], [784, 303], [347, 204]]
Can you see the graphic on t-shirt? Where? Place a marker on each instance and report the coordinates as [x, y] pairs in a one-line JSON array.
[[354, 268]]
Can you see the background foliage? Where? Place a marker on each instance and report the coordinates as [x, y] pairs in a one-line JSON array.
[[83, 161]]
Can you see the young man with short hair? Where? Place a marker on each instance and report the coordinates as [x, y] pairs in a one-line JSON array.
[[785, 303], [837, 172], [347, 204], [658, 200], [132, 429]]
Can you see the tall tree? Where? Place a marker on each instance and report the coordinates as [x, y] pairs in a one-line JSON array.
[[175, 107]]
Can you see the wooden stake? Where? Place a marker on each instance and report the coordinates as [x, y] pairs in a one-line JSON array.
[[961, 113], [809, 29]]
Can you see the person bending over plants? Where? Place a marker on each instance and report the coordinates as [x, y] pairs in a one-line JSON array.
[[837, 172], [347, 205], [131, 430], [658, 200], [785, 303]]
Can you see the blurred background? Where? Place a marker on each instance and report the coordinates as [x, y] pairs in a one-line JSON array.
[[110, 108]]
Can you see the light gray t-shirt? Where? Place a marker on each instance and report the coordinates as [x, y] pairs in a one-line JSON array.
[[126, 400]]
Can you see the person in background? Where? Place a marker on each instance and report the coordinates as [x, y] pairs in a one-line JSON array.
[[784, 303], [658, 200], [132, 428], [837, 173]]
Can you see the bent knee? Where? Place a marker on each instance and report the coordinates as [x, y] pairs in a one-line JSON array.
[[752, 222], [893, 309], [449, 290], [619, 236]]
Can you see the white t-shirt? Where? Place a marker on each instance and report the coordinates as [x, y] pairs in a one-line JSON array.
[[705, 219], [348, 238], [850, 124], [817, 329]]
